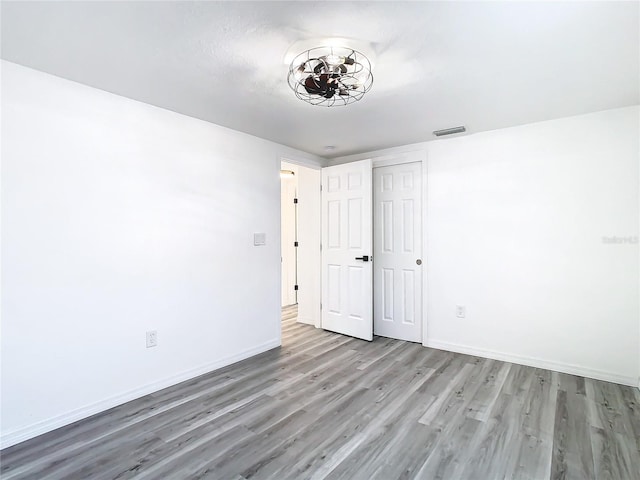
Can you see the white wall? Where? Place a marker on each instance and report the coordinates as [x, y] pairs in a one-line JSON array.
[[515, 226], [309, 270], [118, 218]]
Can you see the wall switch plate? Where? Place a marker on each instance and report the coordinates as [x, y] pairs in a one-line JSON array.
[[152, 338], [461, 311], [259, 239]]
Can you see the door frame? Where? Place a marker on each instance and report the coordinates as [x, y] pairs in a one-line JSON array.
[[399, 158]]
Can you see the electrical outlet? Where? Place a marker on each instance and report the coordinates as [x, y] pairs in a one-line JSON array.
[[461, 311], [152, 338]]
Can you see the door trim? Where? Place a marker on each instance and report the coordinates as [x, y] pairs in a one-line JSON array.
[[398, 158]]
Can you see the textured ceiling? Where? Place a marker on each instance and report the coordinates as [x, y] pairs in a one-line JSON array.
[[486, 65]]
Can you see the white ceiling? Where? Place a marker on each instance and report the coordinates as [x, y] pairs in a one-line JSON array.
[[486, 65]]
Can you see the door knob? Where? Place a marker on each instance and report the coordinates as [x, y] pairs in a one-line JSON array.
[[418, 262], [364, 258]]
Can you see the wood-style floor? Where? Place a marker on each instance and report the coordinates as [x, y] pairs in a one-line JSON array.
[[329, 406]]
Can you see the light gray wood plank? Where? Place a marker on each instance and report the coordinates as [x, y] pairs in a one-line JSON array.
[[572, 458], [449, 457], [492, 447]]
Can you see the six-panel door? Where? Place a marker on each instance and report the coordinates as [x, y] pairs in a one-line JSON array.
[[397, 246], [347, 283]]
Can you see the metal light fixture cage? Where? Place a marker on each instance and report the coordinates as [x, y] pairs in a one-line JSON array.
[[330, 76]]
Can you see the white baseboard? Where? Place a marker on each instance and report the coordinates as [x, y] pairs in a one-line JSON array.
[[25, 433], [535, 362]]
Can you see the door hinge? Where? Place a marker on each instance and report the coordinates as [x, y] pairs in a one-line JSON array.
[[295, 200], [295, 287], [320, 305], [295, 244]]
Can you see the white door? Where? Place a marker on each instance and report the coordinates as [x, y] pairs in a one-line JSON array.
[[397, 248], [347, 273]]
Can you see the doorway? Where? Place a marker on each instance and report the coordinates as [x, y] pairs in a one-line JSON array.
[[300, 240], [289, 234]]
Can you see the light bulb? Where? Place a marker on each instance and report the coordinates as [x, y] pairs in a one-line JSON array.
[[333, 59]]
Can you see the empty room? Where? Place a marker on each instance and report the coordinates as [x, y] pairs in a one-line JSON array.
[[320, 239]]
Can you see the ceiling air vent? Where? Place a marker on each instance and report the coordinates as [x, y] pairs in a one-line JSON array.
[[450, 131]]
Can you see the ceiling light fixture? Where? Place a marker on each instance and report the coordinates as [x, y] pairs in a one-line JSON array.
[[330, 76]]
